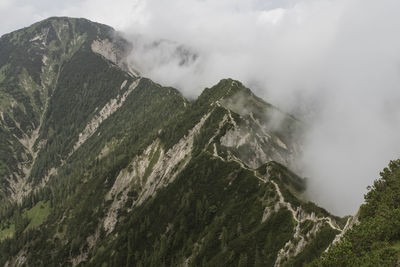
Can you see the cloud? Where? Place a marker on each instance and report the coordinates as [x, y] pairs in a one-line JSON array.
[[17, 14], [334, 63]]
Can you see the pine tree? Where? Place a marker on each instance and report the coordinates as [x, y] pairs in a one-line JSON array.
[[242, 260], [258, 259], [129, 253], [224, 238]]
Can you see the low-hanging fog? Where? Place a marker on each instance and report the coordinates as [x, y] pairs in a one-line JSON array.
[[333, 63]]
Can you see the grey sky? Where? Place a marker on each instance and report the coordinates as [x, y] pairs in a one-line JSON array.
[[336, 61], [16, 14]]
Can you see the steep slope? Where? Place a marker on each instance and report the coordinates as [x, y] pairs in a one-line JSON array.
[[123, 171], [374, 238], [55, 74], [199, 194], [216, 211]]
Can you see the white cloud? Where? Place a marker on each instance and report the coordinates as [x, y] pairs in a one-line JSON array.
[[338, 61], [17, 14], [335, 61], [271, 16]]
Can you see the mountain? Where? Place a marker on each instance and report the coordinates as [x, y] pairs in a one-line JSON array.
[[102, 167], [373, 238], [40, 121]]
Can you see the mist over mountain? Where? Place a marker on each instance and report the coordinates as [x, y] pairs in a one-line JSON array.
[[331, 63], [102, 166], [334, 64], [103, 163]]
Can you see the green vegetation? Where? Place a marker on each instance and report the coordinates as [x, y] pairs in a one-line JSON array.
[[28, 219], [211, 214], [71, 108], [26, 85], [153, 161], [7, 232], [306, 226], [37, 214], [3, 71], [375, 240], [212, 228], [315, 247]]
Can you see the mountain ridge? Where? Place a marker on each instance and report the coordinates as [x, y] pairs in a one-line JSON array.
[[54, 41], [109, 152]]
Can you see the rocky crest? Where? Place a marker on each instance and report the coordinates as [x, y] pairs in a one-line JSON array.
[[106, 168]]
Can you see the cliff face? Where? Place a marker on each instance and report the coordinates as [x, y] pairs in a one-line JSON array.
[[53, 73], [103, 167]]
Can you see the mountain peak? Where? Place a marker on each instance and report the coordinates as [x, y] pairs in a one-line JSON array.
[[225, 88], [95, 155]]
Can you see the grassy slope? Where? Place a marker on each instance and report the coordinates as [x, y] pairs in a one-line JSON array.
[[37, 214], [7, 232]]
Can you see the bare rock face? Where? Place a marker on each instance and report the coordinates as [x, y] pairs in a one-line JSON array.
[[106, 49], [115, 51], [254, 144]]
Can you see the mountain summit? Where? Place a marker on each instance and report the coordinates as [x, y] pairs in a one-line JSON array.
[[73, 54], [102, 167]]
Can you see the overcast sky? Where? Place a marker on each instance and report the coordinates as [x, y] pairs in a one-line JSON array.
[[336, 62]]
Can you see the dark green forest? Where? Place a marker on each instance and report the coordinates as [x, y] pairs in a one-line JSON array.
[[158, 180]]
